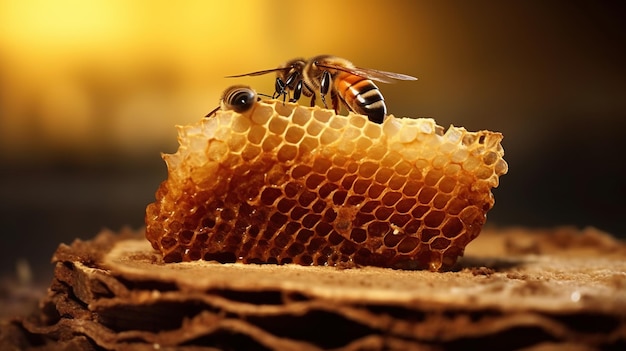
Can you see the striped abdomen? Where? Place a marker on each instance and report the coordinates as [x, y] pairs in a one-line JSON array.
[[361, 95]]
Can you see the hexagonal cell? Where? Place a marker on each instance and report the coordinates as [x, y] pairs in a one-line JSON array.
[[391, 198], [294, 134], [360, 186], [383, 175], [440, 201], [408, 244], [271, 142], [250, 152], [278, 124], [335, 174], [300, 116], [287, 152], [452, 228], [284, 109], [329, 136], [314, 180]]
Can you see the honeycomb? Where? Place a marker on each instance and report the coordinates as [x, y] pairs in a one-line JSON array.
[[283, 183]]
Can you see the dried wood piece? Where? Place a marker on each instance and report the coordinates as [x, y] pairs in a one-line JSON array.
[[116, 293]]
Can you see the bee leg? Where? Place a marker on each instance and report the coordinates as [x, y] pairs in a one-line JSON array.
[[325, 86], [335, 100], [212, 112], [297, 92], [308, 91], [280, 89]]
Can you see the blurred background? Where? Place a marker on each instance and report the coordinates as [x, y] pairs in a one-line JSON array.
[[90, 92]]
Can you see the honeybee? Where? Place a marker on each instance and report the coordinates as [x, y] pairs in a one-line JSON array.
[[238, 98], [347, 84]]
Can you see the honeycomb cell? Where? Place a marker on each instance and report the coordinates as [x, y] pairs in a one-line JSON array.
[[348, 147], [287, 153], [376, 152], [367, 169], [405, 205], [292, 228], [315, 128], [426, 194], [314, 180], [403, 168], [326, 189], [216, 150], [390, 159], [300, 117], [335, 174], [307, 145], [396, 182], [310, 220], [278, 124], [391, 198], [322, 229], [440, 243], [271, 142], [428, 234], [411, 188], [420, 211], [300, 171], [285, 205], [236, 142], [434, 218], [452, 227], [240, 124], [378, 228], [375, 191], [392, 240], [358, 235], [433, 176], [284, 110], [447, 184], [337, 122], [363, 144], [339, 198], [382, 213], [306, 198], [294, 134], [360, 186], [441, 200], [408, 244], [168, 242], [399, 220], [383, 175], [286, 184], [293, 188], [329, 136], [372, 130]]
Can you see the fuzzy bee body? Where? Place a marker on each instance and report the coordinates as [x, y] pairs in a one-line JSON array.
[[331, 75]]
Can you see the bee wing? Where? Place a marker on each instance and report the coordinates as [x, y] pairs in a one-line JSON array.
[[259, 73], [373, 74]]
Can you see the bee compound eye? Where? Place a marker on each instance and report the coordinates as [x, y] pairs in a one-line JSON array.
[[241, 99]]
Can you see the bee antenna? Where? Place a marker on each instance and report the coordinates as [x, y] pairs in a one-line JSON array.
[[212, 112], [267, 96]]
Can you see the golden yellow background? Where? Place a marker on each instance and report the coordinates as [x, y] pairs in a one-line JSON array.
[[90, 92]]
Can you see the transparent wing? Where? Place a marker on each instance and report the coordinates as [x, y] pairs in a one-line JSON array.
[[373, 74], [258, 73]]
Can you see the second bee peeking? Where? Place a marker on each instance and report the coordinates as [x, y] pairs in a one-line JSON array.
[[347, 84]]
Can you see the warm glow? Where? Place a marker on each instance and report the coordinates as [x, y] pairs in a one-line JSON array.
[[85, 76]]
